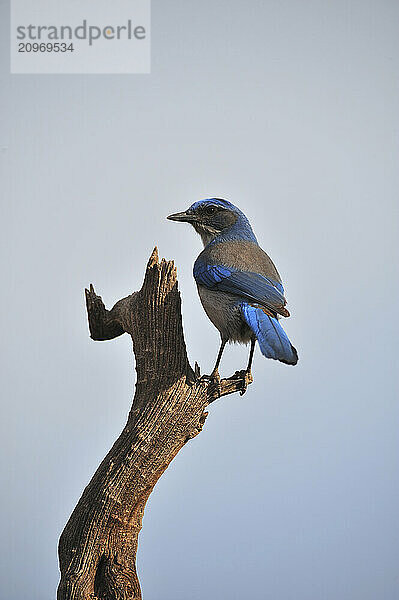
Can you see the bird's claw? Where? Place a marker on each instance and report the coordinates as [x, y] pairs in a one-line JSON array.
[[214, 382], [246, 377]]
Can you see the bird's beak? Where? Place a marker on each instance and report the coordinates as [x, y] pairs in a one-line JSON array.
[[184, 217]]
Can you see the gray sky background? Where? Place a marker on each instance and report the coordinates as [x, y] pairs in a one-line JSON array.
[[290, 110]]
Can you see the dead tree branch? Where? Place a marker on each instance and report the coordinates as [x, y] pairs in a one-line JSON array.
[[97, 549]]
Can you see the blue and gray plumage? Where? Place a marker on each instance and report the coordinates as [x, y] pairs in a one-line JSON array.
[[238, 284]]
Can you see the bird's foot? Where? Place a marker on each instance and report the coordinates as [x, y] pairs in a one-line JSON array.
[[214, 381], [246, 377]]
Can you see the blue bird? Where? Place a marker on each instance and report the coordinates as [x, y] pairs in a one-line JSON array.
[[238, 284]]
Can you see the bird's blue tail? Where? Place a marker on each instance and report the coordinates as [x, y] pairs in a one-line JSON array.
[[273, 341]]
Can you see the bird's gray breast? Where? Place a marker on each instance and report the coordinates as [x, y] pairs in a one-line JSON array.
[[224, 312]]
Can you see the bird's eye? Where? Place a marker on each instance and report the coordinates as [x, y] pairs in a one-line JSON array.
[[210, 210]]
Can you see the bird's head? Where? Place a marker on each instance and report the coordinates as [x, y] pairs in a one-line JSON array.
[[211, 217]]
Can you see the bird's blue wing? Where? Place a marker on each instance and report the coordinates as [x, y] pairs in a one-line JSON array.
[[245, 284]]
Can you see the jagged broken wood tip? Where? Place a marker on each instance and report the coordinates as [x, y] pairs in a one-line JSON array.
[[154, 258]]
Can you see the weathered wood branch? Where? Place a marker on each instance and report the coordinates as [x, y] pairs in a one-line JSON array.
[[97, 549]]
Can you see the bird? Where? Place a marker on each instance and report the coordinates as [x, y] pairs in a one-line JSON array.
[[238, 284]]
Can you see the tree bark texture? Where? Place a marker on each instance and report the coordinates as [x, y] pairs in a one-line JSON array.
[[97, 549]]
